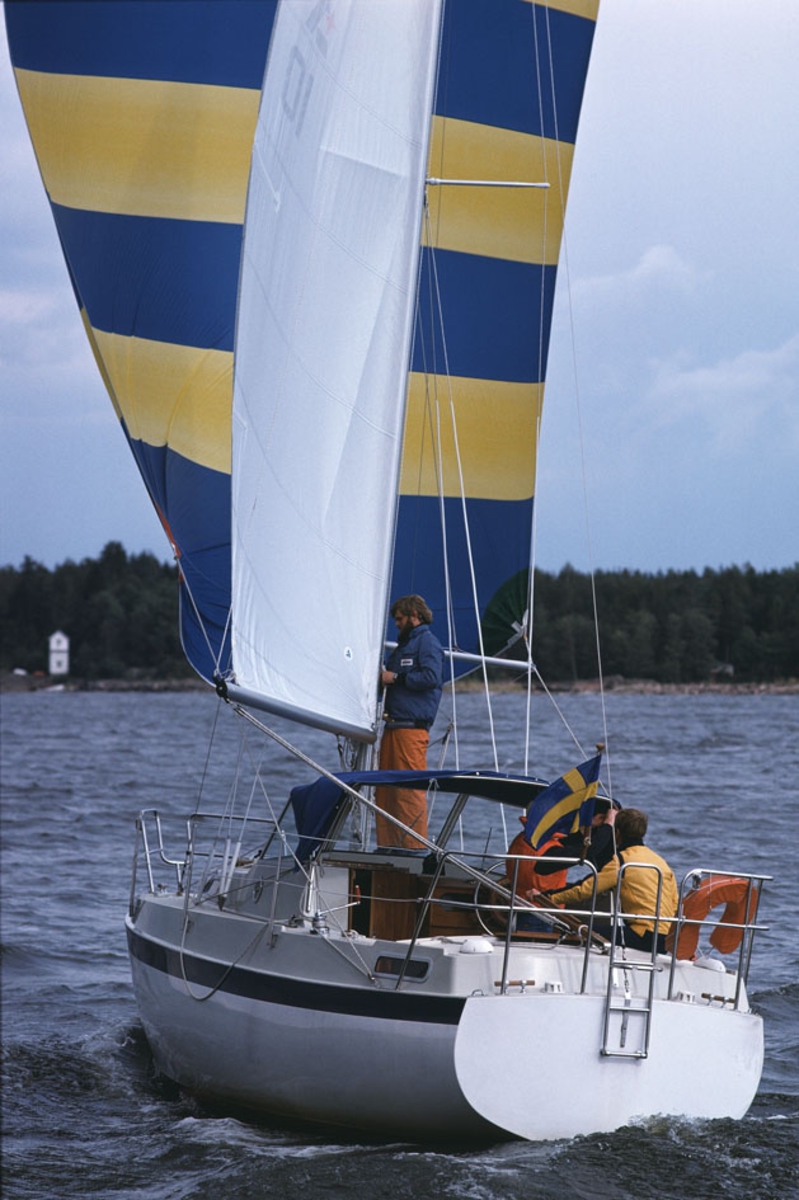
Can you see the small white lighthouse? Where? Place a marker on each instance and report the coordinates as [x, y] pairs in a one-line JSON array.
[[59, 653]]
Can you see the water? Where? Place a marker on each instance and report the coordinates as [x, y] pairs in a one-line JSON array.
[[83, 1112]]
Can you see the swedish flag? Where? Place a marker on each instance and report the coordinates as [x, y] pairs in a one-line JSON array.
[[565, 805]]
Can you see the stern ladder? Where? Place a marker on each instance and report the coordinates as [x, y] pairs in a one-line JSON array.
[[628, 1022]]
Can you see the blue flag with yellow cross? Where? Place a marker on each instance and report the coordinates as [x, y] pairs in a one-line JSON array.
[[565, 805]]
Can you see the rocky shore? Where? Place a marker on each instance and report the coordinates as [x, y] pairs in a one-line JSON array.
[[39, 682], [12, 682]]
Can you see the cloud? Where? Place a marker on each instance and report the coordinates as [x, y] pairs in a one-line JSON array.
[[41, 335], [20, 308], [624, 323], [658, 267], [739, 399], [50, 380]]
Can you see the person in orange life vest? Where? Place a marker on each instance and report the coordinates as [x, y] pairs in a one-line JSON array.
[[528, 879], [594, 844], [413, 679], [546, 874], [639, 887], [528, 873]]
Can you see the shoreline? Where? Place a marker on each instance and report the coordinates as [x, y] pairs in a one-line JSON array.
[[10, 683]]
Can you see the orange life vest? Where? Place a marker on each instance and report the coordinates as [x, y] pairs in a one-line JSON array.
[[729, 890], [528, 877]]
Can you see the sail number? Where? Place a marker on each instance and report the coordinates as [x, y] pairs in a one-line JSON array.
[[297, 90], [299, 80]]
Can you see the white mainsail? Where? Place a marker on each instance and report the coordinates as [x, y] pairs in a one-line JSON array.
[[326, 303]]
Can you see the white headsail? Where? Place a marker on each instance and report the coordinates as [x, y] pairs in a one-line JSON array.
[[326, 303]]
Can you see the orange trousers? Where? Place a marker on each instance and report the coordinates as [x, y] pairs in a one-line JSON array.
[[402, 750]]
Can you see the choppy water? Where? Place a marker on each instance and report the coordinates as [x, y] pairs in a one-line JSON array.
[[84, 1114]]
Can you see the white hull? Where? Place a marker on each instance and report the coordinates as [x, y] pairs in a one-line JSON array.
[[296, 1027], [700, 1063]]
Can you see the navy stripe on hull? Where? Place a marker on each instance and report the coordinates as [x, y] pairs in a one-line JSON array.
[[317, 997]]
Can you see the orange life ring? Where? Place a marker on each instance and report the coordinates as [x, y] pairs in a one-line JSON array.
[[729, 890]]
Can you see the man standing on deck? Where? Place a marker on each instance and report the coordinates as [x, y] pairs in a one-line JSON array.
[[413, 679]]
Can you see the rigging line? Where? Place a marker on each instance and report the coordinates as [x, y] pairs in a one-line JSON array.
[[178, 554], [207, 763], [240, 712], [436, 422], [466, 527], [229, 816], [344, 787], [197, 614], [439, 58], [432, 409], [428, 416], [438, 465], [564, 247], [473, 872], [414, 539], [225, 631], [258, 782], [418, 338], [226, 878], [528, 637], [465, 513], [332, 915], [217, 837], [323, 771], [545, 165], [540, 373], [581, 442], [181, 954], [559, 711], [542, 300], [253, 942], [361, 966]]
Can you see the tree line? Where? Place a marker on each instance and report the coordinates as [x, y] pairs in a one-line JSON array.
[[672, 627], [120, 614]]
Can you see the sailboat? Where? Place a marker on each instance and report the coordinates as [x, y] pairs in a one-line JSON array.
[[314, 245]]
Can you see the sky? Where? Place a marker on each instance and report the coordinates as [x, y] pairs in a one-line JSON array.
[[671, 421]]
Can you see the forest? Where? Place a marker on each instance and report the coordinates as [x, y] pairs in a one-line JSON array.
[[732, 625]]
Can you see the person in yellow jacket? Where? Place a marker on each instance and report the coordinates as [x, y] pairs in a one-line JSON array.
[[639, 885]]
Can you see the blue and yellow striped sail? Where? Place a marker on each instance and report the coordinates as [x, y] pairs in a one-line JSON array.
[[142, 116], [511, 82]]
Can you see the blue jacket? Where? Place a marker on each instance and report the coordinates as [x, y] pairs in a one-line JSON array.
[[418, 662]]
